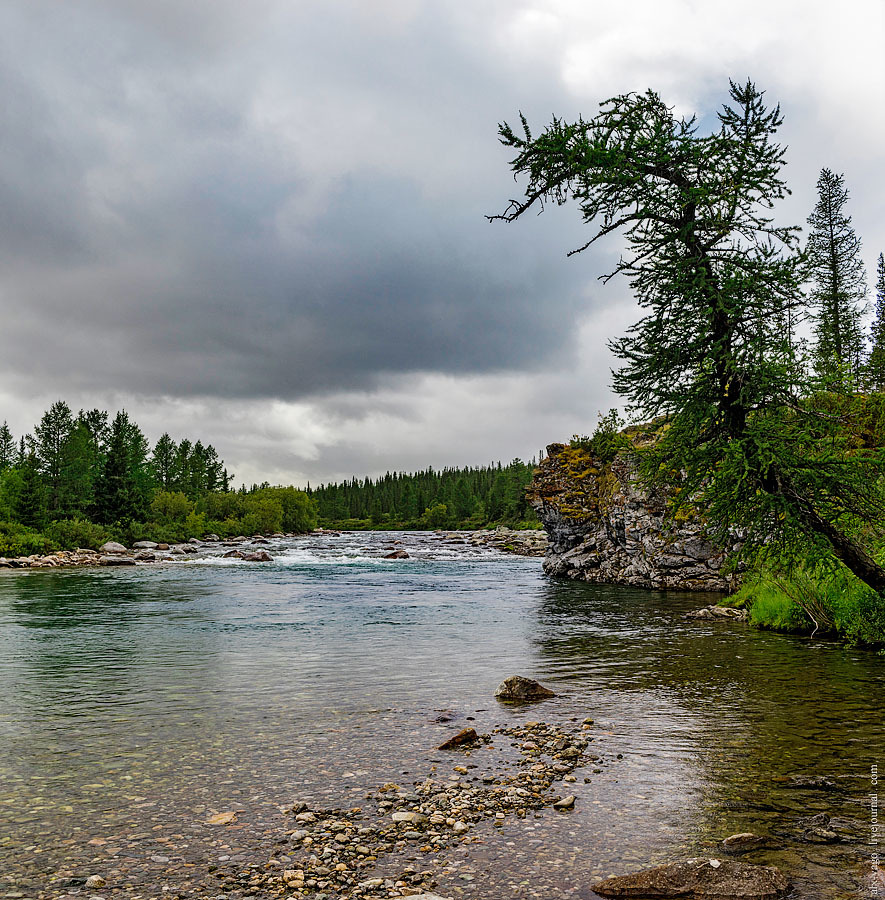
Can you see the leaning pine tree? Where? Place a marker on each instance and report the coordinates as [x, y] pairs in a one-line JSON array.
[[876, 362], [718, 282], [838, 286]]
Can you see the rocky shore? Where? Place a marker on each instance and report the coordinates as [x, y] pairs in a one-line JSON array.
[[143, 552], [412, 839], [254, 549], [507, 540]]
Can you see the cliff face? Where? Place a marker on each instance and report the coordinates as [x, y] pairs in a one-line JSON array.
[[604, 528]]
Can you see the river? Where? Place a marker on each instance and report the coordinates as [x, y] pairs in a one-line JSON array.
[[138, 702]]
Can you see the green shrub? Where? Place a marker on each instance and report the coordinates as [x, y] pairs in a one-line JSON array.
[[264, 515], [18, 540], [607, 441], [171, 506], [69, 534]]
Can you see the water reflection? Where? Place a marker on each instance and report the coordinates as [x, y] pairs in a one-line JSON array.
[[210, 682]]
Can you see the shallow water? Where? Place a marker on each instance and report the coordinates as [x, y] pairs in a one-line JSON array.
[[136, 701]]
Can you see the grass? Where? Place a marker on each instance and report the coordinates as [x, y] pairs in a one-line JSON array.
[[816, 600]]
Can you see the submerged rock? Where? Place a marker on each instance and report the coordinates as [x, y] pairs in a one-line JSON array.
[[466, 736], [745, 842], [519, 689], [699, 879], [807, 782], [718, 612]]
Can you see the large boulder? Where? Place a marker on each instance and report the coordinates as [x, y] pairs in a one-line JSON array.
[[517, 689], [397, 554], [144, 545], [116, 561], [111, 547], [699, 879]]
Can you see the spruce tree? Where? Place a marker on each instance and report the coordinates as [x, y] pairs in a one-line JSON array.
[[123, 490], [838, 286], [7, 448], [52, 435], [30, 505], [163, 461], [876, 362]]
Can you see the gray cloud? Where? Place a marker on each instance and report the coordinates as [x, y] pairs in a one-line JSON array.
[[190, 246], [231, 211]]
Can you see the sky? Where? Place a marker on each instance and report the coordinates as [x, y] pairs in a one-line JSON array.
[[263, 224]]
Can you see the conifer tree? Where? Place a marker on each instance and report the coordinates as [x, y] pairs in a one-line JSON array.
[[163, 461], [7, 448], [838, 286], [30, 506], [52, 435], [123, 490], [876, 362], [715, 276]]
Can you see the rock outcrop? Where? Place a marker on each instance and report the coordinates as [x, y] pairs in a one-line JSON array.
[[604, 527]]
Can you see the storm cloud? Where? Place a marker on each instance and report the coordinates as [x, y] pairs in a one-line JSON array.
[[220, 212]]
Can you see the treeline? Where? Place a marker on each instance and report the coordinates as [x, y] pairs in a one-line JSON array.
[[81, 479], [448, 498]]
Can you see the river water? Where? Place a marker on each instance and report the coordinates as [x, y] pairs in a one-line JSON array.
[[137, 702]]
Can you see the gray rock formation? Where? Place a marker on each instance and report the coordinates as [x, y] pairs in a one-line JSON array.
[[257, 556], [605, 528]]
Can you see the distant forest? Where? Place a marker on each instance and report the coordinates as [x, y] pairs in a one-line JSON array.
[[448, 498], [81, 479]]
